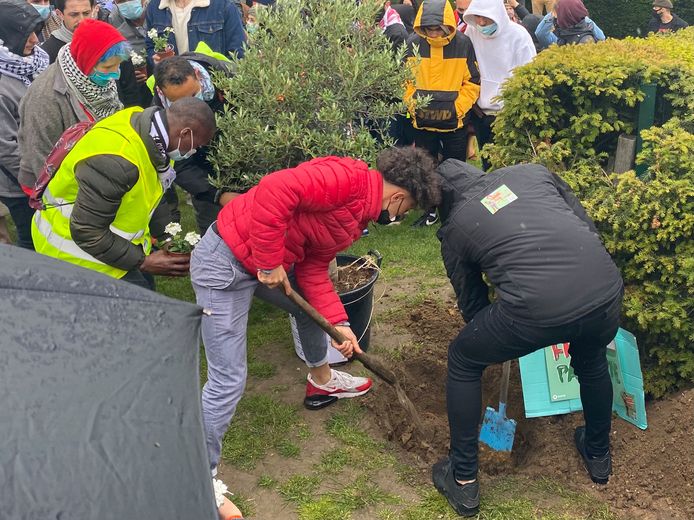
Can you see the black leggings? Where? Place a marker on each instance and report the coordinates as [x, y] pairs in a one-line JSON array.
[[493, 337]]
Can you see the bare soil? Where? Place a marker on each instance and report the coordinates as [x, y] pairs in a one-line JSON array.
[[653, 476], [353, 276]]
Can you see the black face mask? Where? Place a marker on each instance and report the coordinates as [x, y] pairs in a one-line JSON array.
[[656, 14], [384, 217]]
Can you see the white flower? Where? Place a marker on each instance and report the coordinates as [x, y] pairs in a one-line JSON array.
[[136, 58], [192, 238], [173, 228], [152, 33], [220, 489], [169, 30]]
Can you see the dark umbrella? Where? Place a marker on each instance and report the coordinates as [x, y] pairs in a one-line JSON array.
[[99, 385]]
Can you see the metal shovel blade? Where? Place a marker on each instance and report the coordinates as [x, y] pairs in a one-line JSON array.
[[498, 430]]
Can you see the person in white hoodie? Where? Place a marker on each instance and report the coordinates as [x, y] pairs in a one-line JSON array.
[[500, 46]]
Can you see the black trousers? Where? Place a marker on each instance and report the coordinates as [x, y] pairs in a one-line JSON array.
[[451, 145], [483, 133], [206, 209], [21, 214], [493, 337]]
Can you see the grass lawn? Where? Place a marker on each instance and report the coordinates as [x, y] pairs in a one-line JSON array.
[[285, 462]]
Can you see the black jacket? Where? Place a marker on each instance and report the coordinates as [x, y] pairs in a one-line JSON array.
[[17, 22], [580, 33], [52, 45], [655, 25], [540, 251], [407, 14], [130, 92]]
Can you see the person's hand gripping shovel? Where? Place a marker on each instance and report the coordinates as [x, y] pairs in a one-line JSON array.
[[371, 363]]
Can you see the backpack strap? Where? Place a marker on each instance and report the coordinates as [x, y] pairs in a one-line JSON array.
[[12, 178]]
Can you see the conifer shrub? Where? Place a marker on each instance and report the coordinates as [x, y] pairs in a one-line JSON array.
[[565, 110]]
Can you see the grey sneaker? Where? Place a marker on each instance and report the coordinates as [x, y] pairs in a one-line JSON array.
[[465, 499], [599, 468]]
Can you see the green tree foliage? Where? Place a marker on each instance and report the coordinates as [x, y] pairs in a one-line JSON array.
[[319, 78], [648, 225], [620, 18], [582, 98]]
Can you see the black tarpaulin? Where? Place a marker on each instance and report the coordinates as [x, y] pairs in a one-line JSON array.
[[99, 398]]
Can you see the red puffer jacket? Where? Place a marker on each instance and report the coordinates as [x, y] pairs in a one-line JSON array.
[[303, 217]]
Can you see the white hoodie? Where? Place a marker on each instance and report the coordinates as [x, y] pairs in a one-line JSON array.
[[497, 55]]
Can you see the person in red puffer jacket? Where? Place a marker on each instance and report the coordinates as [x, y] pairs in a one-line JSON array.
[[280, 236]]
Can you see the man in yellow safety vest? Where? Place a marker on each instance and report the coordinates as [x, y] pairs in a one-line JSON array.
[[101, 199]]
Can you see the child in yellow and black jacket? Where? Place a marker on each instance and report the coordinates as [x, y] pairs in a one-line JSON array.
[[444, 67]]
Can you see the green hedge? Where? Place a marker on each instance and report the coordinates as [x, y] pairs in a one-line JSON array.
[[620, 18], [565, 110]]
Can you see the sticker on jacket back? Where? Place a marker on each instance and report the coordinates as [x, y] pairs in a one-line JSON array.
[[499, 198]]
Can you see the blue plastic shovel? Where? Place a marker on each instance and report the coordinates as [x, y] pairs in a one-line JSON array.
[[497, 429]]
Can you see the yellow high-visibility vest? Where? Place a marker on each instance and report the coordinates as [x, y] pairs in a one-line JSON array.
[[50, 228]]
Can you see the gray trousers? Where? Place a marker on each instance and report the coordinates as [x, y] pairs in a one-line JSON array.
[[226, 289]]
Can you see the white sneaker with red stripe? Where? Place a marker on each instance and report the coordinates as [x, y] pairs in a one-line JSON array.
[[341, 385]]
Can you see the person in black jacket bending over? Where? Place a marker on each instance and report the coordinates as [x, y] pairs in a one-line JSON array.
[[554, 282]]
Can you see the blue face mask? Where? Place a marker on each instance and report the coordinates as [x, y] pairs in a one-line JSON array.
[[44, 11], [131, 10], [176, 155], [104, 78], [488, 30]]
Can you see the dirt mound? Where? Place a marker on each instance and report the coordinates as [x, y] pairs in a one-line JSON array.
[[653, 470]]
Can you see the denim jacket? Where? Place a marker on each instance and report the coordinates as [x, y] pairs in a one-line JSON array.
[[218, 25]]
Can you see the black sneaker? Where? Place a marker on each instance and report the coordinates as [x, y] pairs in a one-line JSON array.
[[432, 218], [599, 468], [427, 219], [465, 499]]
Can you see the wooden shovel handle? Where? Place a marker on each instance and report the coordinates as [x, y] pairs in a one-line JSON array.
[[368, 361], [316, 316], [371, 363]]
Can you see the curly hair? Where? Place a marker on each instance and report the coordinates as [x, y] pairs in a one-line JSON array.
[[414, 170]]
